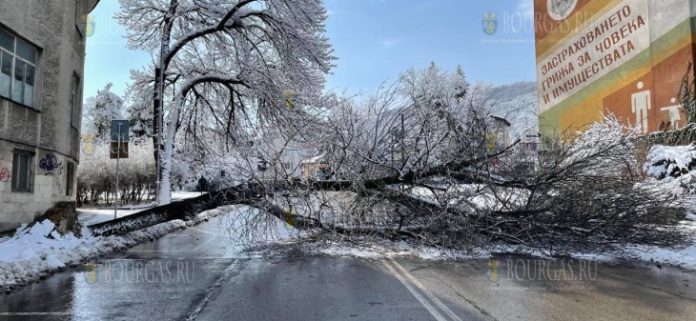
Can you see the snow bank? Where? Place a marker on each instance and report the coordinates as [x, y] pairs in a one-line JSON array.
[[389, 250], [684, 257], [406, 249], [38, 251]]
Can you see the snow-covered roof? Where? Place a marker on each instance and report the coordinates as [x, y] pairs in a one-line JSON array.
[[502, 119]]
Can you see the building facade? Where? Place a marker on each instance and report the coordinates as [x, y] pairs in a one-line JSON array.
[[624, 57], [42, 55]]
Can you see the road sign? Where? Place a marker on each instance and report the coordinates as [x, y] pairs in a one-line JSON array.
[[119, 128], [116, 152]]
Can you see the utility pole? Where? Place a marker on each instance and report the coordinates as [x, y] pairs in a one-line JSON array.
[[118, 170], [403, 138], [118, 149]]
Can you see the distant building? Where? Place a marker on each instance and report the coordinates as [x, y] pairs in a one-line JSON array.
[[42, 55], [315, 167], [279, 157], [625, 57], [498, 134]]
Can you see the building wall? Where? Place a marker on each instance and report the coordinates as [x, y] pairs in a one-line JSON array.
[[625, 57], [57, 29]]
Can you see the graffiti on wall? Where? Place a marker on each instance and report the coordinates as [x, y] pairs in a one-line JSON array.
[[50, 165], [4, 175]]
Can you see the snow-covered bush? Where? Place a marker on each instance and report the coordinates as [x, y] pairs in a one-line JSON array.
[[672, 169], [670, 161]]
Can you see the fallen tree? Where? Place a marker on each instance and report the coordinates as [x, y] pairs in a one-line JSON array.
[[424, 161]]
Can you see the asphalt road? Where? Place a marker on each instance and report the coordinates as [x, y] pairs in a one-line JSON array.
[[198, 274]]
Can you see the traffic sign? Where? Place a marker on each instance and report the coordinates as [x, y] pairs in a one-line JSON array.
[[119, 128], [116, 152]]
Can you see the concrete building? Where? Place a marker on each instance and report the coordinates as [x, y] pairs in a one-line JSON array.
[[625, 57], [42, 55]]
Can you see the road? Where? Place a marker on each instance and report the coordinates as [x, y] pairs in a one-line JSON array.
[[198, 274]]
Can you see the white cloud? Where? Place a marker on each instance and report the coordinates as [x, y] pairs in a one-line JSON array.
[[391, 42], [425, 6]]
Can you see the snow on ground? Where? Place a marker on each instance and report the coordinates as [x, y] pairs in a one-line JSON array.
[[684, 257], [182, 195], [388, 249], [91, 216], [38, 250]]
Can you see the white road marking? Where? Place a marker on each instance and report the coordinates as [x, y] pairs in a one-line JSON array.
[[430, 295], [436, 314]]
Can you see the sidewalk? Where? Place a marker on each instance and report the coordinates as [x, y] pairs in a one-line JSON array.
[[91, 216]]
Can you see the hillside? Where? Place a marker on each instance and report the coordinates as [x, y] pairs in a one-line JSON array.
[[518, 103]]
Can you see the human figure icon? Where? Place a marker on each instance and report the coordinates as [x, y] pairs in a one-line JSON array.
[[640, 104], [674, 113]]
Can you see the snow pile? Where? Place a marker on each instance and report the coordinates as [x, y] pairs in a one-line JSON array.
[[405, 249], [37, 251], [670, 162], [684, 257], [390, 249]]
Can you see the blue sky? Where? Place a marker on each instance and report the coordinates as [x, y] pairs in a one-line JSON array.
[[374, 40]]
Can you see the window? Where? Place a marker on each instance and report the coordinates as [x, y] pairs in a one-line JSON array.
[[17, 69], [75, 99], [22, 175], [70, 184]]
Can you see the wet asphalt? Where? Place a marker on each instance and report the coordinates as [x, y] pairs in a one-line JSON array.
[[198, 274]]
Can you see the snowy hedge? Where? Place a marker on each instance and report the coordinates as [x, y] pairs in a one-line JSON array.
[[670, 161]]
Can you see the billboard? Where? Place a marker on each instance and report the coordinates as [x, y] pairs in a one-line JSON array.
[[626, 57]]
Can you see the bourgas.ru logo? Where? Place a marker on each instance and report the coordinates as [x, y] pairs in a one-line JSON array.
[[89, 25], [490, 23], [141, 272], [551, 270], [493, 274], [91, 275]]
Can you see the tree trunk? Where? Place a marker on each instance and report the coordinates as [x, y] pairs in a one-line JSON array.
[[165, 192]]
